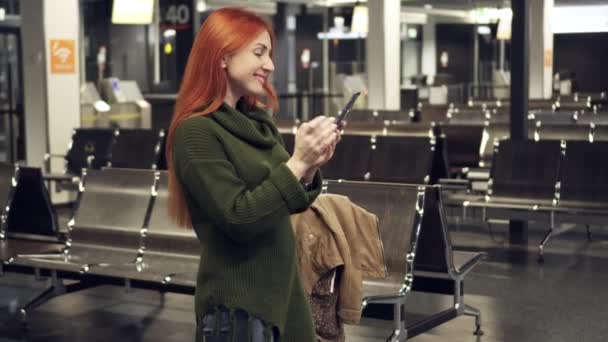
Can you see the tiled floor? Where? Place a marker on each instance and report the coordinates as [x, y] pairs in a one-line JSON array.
[[565, 299]]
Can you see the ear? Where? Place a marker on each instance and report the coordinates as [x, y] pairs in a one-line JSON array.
[[224, 62]]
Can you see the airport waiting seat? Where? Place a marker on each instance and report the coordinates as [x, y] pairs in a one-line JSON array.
[[137, 149], [89, 149], [438, 268], [351, 159], [106, 232], [30, 223], [463, 142], [399, 211], [289, 139], [170, 253], [553, 118], [522, 180], [417, 249], [582, 194], [398, 159]]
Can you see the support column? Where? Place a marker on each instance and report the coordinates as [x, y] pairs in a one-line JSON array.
[[429, 48], [34, 81], [51, 78], [383, 53], [520, 43], [541, 49]]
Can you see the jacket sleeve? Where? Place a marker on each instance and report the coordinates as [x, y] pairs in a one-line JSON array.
[[211, 181]]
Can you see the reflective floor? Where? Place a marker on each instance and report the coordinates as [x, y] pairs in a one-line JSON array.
[[565, 299]]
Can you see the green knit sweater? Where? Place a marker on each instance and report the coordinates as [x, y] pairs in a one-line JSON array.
[[240, 193]]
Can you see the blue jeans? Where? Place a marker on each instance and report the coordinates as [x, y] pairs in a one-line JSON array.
[[218, 327]]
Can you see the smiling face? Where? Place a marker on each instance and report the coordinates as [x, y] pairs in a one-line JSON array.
[[248, 69]]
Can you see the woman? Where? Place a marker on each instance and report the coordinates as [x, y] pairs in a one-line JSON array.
[[232, 180]]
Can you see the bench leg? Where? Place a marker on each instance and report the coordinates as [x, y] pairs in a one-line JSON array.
[[400, 332], [589, 237], [554, 231], [541, 246], [464, 309], [56, 289], [471, 311]]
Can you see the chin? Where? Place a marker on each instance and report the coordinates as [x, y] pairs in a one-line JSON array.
[[258, 90]]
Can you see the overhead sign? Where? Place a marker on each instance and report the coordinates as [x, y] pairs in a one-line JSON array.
[[176, 15], [63, 58]]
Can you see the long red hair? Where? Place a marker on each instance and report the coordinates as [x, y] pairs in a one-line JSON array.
[[204, 84]]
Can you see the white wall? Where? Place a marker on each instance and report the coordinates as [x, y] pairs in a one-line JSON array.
[[61, 21]]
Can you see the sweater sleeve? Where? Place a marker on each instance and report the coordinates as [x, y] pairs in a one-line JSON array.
[[313, 193], [212, 182]]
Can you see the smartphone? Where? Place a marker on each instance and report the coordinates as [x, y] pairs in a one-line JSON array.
[[349, 105]]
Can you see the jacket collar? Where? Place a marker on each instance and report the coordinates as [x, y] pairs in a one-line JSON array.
[[241, 122]]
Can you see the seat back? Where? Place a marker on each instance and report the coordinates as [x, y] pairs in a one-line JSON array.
[[31, 211], [87, 142], [112, 208], [364, 115], [399, 211], [289, 139], [163, 235], [468, 116], [137, 149], [402, 159], [598, 119], [584, 175], [8, 181], [351, 159], [434, 245], [463, 142], [553, 118], [491, 134], [558, 132], [526, 169]]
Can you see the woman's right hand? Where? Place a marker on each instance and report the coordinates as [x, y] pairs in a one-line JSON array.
[[312, 142]]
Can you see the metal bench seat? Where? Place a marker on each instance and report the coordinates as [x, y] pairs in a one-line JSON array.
[[81, 260], [106, 230], [10, 249], [399, 211], [170, 253], [391, 286]]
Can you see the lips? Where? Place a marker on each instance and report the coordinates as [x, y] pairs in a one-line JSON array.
[[260, 78]]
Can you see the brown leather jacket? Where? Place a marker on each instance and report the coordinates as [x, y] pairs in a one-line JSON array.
[[335, 232]]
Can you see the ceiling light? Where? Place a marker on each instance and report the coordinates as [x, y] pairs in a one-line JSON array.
[[359, 22], [484, 30], [201, 6], [412, 33], [169, 33]]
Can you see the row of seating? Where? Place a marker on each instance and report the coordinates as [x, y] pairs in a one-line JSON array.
[[466, 145], [94, 148], [120, 234], [550, 181], [385, 158]]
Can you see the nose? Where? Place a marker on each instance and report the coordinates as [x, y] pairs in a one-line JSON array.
[[268, 65]]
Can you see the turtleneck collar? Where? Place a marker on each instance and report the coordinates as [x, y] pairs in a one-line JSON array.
[[239, 121]]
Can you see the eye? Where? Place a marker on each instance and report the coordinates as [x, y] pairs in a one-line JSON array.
[[258, 52]]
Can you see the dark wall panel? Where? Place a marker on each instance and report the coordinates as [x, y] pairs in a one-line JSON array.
[[585, 56], [457, 41]]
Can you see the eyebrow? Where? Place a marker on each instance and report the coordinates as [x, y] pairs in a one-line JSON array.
[[262, 45]]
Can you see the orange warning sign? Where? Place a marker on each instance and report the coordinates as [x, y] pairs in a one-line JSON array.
[[63, 56]]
